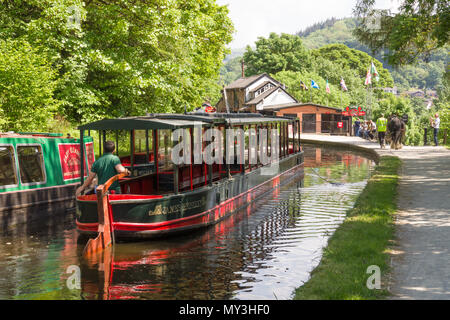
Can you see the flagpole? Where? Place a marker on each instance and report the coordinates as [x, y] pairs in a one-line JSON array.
[[310, 95]]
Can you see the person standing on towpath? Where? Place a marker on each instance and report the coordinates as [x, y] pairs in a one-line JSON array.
[[381, 127]]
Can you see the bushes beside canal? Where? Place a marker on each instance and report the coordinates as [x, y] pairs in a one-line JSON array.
[[360, 242]]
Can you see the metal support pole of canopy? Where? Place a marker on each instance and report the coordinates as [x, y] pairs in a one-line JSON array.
[[81, 156], [147, 148]]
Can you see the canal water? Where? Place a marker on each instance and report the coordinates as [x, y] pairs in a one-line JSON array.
[[264, 251]]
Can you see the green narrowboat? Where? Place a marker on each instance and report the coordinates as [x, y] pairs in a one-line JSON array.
[[39, 173]]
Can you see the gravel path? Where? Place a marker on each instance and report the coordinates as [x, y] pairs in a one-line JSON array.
[[420, 258]]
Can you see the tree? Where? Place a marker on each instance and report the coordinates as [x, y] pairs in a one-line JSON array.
[[124, 57], [416, 30], [351, 59], [27, 84], [277, 53]]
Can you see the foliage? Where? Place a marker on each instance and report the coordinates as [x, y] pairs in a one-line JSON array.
[[123, 57], [277, 53], [416, 30], [351, 59], [27, 84], [423, 74]]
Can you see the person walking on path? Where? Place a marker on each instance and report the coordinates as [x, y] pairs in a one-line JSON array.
[[105, 167], [381, 127], [435, 124]]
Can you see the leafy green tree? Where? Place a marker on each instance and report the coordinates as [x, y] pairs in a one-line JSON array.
[[351, 59], [416, 30], [277, 53], [27, 84], [124, 57]]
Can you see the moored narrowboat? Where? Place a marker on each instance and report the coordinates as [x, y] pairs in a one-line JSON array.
[[175, 186], [38, 174]]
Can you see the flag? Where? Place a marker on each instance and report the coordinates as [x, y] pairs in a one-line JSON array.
[[343, 86], [314, 85], [368, 77], [327, 89], [303, 86], [374, 72]]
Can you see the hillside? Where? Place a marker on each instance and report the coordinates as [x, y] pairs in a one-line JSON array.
[[423, 75]]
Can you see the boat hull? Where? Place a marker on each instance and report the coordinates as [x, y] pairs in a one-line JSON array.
[[160, 216], [29, 206]]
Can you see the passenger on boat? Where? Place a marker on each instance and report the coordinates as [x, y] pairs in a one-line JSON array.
[[105, 167]]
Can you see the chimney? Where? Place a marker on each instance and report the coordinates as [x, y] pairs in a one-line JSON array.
[[242, 68]]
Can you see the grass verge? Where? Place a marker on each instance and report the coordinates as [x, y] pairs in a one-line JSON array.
[[361, 241]]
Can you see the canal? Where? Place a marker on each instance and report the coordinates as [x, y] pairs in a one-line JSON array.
[[264, 251]]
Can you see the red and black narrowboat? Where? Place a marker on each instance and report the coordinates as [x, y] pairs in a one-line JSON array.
[[164, 195]]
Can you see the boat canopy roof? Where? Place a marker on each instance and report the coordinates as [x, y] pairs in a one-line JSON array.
[[176, 121]]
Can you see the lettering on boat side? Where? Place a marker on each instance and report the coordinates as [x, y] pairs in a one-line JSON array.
[[159, 209], [234, 309]]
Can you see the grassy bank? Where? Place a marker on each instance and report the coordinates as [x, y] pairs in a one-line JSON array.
[[361, 241]]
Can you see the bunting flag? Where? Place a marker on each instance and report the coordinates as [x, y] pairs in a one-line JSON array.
[[327, 88], [314, 85], [368, 78], [303, 86], [374, 72], [343, 86]]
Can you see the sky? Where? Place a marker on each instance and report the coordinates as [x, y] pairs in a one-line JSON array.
[[254, 18]]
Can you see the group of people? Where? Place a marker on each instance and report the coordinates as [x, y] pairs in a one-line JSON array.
[[365, 129]]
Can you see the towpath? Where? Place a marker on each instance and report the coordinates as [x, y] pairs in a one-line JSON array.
[[420, 259]]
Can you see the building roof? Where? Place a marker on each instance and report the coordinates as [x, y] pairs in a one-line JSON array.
[[267, 93], [243, 83], [263, 95]]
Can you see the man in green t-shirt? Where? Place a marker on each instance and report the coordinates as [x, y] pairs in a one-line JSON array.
[[105, 167], [381, 127]]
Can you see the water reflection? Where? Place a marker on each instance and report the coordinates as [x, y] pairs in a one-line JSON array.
[[262, 252]]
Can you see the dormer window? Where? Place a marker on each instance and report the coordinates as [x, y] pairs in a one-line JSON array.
[[263, 89]]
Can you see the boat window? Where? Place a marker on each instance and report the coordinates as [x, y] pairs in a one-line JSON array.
[[246, 145], [165, 149], [290, 137], [31, 164], [7, 166]]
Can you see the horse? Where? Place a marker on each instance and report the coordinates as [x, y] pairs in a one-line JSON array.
[[396, 128]]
